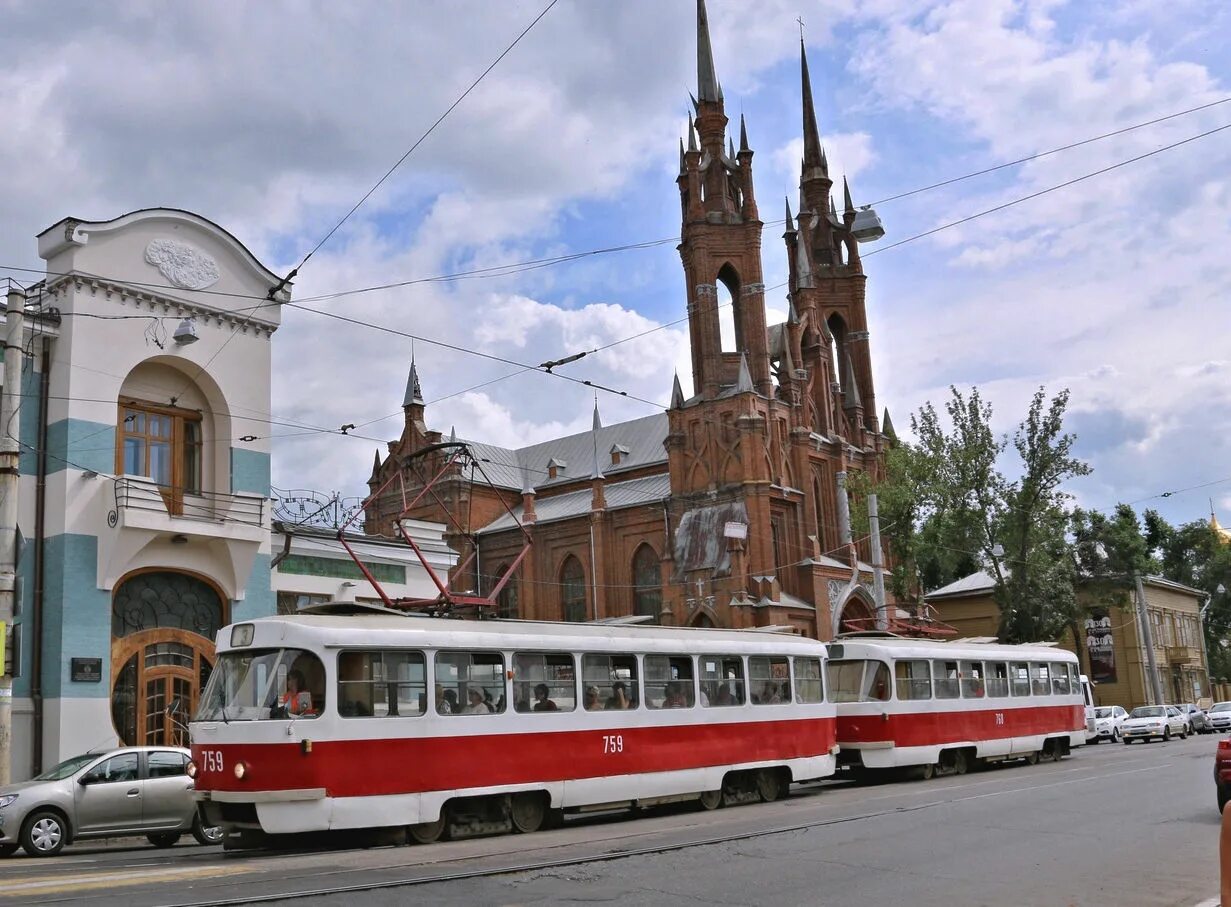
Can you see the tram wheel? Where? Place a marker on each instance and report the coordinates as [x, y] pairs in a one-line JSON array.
[[1032, 758], [927, 772], [712, 799], [769, 785], [527, 811], [428, 832], [960, 762]]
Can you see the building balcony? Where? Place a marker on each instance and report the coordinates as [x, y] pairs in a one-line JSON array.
[[144, 505], [1183, 655]]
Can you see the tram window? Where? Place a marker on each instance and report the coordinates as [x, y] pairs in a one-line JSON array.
[[913, 679], [1074, 679], [972, 680], [1019, 678], [858, 680], [1059, 680], [722, 680], [614, 677], [944, 674], [769, 678], [1040, 684], [381, 683], [471, 683], [669, 682], [808, 687], [262, 684], [997, 679], [544, 682]]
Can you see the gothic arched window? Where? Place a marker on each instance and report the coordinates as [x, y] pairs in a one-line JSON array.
[[728, 302], [647, 583], [573, 590]]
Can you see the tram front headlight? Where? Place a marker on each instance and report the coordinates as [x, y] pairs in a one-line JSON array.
[[241, 769]]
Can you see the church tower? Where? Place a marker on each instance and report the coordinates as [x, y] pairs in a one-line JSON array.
[[720, 238], [828, 288]]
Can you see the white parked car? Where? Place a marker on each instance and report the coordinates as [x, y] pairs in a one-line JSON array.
[[1107, 723], [1149, 721], [1219, 717]]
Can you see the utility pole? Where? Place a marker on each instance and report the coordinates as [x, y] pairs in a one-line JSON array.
[[10, 453], [878, 564], [1147, 634]]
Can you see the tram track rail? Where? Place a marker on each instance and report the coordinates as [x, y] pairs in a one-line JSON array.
[[512, 862], [633, 843]]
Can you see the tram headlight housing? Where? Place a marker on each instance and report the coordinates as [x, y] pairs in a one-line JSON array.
[[191, 769], [241, 769]]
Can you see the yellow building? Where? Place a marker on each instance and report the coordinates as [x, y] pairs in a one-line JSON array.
[[1113, 652]]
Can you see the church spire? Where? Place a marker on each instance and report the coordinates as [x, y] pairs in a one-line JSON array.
[[708, 88], [414, 393], [814, 155]]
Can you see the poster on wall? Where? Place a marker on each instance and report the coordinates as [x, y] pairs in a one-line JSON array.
[[1100, 646]]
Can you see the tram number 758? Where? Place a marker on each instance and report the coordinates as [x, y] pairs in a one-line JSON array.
[[613, 743]]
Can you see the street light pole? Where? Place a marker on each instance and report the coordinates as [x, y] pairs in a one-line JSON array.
[[10, 456]]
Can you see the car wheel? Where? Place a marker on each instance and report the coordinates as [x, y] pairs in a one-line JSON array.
[[1115, 735], [166, 839], [7, 850], [1166, 734], [44, 834], [206, 834]]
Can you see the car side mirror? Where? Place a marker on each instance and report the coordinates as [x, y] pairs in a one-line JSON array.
[[87, 779]]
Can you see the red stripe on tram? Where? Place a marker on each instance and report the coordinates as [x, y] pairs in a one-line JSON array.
[[361, 768], [930, 728]]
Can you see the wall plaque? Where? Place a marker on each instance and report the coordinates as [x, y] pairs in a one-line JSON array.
[[86, 670]]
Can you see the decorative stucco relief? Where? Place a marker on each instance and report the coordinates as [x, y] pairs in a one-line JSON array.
[[182, 265]]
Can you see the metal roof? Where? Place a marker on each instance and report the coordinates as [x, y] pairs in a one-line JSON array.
[[646, 490], [642, 437]]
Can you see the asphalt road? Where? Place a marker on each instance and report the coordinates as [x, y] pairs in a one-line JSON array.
[[1112, 824]]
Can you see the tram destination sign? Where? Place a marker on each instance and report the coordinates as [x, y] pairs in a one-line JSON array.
[[86, 670]]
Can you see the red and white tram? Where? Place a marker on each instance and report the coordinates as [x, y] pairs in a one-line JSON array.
[[945, 705], [323, 721]]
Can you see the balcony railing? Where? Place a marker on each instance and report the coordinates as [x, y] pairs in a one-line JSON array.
[[1183, 655], [138, 494]]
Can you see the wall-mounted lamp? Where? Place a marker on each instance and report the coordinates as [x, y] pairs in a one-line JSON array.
[[186, 333]]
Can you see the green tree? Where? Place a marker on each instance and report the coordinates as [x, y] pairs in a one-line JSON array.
[[949, 510]]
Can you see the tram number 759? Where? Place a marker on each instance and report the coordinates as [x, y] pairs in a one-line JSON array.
[[613, 743]]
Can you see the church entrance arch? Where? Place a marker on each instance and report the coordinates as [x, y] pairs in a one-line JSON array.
[[857, 613], [163, 625]]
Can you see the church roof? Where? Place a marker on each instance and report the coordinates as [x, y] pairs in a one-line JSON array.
[[632, 493], [643, 437]]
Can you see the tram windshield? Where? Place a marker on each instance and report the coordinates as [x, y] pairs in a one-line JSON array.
[[263, 684], [858, 680]]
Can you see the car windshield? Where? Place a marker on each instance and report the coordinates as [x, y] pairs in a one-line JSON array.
[[1102, 713], [260, 684], [66, 768], [1221, 707], [1149, 711]]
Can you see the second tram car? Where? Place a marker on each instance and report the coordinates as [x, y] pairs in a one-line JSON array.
[[943, 706], [321, 722]]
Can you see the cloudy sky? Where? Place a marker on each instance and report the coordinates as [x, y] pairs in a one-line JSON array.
[[274, 118]]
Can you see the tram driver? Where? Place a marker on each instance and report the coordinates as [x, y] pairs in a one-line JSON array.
[[296, 701]]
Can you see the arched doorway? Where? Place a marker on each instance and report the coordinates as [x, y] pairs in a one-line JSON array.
[[858, 613], [163, 626]]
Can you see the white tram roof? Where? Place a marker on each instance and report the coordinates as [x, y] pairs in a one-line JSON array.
[[395, 630], [902, 647]]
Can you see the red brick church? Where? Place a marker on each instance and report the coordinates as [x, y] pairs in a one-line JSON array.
[[729, 509]]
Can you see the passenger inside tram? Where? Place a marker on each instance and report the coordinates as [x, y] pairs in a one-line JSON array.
[[476, 702], [542, 699], [676, 698], [619, 697], [593, 699]]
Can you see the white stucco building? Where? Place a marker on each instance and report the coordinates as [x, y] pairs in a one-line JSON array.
[[144, 474], [144, 506]]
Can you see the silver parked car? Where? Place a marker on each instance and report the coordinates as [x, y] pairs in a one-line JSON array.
[[1219, 717], [138, 790]]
